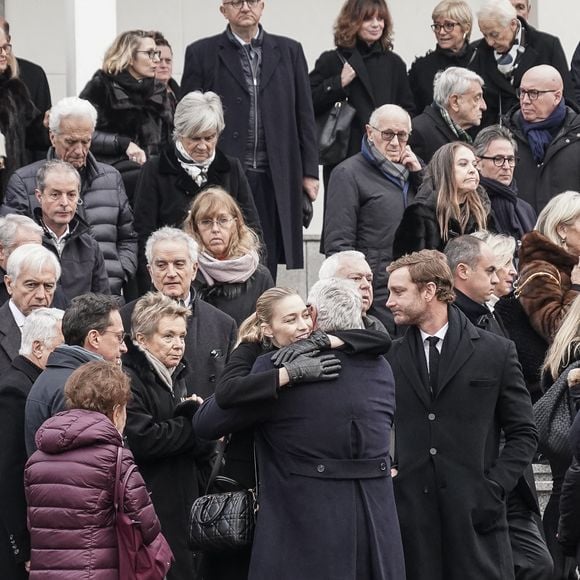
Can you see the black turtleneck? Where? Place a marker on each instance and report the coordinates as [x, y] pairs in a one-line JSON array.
[[479, 314]]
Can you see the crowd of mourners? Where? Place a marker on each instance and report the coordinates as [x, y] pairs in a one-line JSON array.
[[387, 423]]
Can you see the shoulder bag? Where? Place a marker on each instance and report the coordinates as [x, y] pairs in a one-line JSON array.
[[221, 522], [334, 130], [137, 560]]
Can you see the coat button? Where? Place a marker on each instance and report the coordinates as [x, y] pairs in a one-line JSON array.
[[383, 466], [328, 88], [320, 468], [433, 451], [431, 416], [235, 134], [238, 99], [212, 378]]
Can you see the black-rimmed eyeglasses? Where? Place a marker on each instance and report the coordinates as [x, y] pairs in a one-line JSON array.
[[499, 160], [237, 4], [533, 94], [388, 135], [447, 26], [152, 54], [6, 49]]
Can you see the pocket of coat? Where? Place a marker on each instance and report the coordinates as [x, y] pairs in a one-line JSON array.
[[482, 383]]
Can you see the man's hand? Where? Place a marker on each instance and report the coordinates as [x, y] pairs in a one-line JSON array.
[[409, 160], [310, 186]]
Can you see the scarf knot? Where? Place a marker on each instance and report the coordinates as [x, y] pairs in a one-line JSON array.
[[197, 171]]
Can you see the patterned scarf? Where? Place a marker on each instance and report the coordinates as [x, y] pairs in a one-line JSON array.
[[507, 62], [460, 133], [396, 172], [197, 171]]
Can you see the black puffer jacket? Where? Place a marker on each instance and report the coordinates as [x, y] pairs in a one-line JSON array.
[[105, 208]]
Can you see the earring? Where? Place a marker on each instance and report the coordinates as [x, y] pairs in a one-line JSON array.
[[562, 241]]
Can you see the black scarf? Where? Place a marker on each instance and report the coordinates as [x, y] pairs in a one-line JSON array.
[[142, 87]]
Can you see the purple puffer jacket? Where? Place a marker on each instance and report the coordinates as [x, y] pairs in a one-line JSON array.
[[69, 489]]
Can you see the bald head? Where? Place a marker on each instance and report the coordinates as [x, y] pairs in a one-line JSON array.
[[545, 83]]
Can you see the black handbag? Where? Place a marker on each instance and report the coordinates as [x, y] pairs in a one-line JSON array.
[[334, 131], [221, 522]]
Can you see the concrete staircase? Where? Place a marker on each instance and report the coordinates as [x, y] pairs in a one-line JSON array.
[[543, 477]]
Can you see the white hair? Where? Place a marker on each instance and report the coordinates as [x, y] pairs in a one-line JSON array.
[[71, 107], [338, 304], [11, 224], [500, 11], [454, 80], [386, 110], [40, 325], [198, 113], [170, 234], [332, 264], [31, 257]]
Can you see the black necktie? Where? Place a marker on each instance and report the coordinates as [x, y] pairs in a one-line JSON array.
[[433, 363]]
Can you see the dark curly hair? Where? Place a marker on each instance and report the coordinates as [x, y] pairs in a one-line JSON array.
[[353, 13]]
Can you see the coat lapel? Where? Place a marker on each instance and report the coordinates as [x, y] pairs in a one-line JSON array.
[[357, 63], [270, 60], [11, 335], [230, 58], [411, 363]]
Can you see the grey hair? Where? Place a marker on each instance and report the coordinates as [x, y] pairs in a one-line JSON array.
[[502, 246], [338, 304], [170, 234], [454, 80], [42, 325], [198, 113], [562, 209], [385, 110], [71, 107], [34, 258], [463, 250], [490, 134], [11, 224], [150, 309], [331, 265], [500, 11], [55, 166]]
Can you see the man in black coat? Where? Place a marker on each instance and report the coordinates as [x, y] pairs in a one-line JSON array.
[[547, 132], [262, 80], [458, 389], [211, 334], [509, 48], [41, 334], [458, 105], [472, 263]]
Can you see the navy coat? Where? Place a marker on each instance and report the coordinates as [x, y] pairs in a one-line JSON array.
[[324, 472], [213, 64]]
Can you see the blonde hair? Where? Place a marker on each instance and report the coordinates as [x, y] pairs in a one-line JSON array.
[[209, 204], [563, 209], [565, 347], [121, 53], [441, 171], [251, 329], [456, 10], [502, 246], [150, 309]]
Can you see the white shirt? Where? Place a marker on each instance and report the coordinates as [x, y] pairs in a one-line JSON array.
[[440, 334], [59, 240], [19, 318]]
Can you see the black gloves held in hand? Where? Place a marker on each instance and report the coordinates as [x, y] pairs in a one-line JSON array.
[[312, 345], [186, 408], [304, 368], [307, 210]]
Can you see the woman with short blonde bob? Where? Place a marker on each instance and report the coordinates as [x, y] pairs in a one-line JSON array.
[[230, 275], [449, 204]]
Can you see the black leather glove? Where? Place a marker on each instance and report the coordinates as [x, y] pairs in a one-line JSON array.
[[305, 369], [186, 409], [312, 345], [307, 210]]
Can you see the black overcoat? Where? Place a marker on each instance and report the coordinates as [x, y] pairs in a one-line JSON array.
[[430, 131], [324, 471], [453, 480], [213, 64], [10, 337]]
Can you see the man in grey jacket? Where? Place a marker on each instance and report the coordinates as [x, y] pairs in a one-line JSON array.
[[103, 202]]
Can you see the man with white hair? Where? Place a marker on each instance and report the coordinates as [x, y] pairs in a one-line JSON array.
[[510, 47], [368, 193], [458, 105], [41, 334], [211, 334], [103, 202], [31, 276]]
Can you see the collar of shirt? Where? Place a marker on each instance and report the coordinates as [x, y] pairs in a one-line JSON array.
[[242, 41], [19, 318], [439, 334]]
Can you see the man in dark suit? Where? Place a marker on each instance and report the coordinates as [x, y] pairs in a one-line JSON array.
[[262, 80], [41, 334], [472, 263], [458, 388], [211, 334], [458, 105], [31, 276]]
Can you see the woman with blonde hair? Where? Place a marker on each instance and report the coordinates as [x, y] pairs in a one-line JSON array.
[[449, 204], [230, 276], [134, 114]]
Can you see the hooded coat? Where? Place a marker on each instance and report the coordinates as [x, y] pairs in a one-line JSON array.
[[69, 485]]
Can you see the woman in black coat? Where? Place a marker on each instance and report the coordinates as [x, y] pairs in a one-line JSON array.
[[159, 430], [230, 276], [168, 184], [363, 69], [452, 25], [134, 113], [449, 205]]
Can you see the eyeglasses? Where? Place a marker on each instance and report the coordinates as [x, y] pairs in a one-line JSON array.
[[389, 135], [6, 48], [222, 223], [237, 4], [532, 93], [447, 26], [120, 336], [57, 195], [152, 54], [499, 160]]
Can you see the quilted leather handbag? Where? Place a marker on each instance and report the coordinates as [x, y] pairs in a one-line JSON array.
[[220, 522]]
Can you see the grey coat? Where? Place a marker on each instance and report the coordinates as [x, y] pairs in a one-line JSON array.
[[105, 208]]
